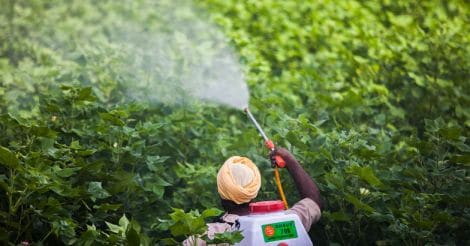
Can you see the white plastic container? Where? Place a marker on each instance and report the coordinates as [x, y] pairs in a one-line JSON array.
[[268, 224]]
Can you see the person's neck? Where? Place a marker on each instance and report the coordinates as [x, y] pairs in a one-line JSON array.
[[233, 208], [239, 210]]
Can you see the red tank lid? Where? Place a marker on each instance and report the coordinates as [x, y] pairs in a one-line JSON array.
[[266, 206]]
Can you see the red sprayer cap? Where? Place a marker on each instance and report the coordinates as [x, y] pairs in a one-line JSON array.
[[266, 206]]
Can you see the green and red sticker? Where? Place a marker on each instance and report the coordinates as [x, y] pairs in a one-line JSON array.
[[279, 231]]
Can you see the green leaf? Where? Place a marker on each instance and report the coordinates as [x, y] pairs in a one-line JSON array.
[[47, 144], [154, 162], [462, 159], [417, 79], [87, 152], [229, 237], [161, 182], [367, 174], [177, 215], [86, 94], [67, 172], [169, 241], [75, 145], [358, 204], [185, 224], [211, 212], [42, 131], [3, 184], [132, 237], [179, 229], [96, 191], [114, 228], [158, 190], [339, 216], [450, 133], [123, 221], [112, 119], [401, 20], [88, 237], [7, 158]]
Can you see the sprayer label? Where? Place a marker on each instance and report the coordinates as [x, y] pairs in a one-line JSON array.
[[279, 231]]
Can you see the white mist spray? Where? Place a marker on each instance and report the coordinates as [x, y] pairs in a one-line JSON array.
[[182, 59], [152, 51]]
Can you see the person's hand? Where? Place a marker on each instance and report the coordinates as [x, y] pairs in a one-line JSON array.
[[285, 154]]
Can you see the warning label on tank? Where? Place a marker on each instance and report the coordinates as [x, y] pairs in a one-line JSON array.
[[279, 231]]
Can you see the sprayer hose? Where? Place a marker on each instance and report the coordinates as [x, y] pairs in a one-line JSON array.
[[279, 187]]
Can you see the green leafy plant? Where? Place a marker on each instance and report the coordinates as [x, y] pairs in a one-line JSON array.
[[127, 232], [371, 96], [231, 238]]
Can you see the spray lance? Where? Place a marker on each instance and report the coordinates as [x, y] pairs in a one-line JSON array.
[[278, 161]]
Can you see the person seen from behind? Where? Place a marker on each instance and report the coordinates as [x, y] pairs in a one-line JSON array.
[[238, 183]]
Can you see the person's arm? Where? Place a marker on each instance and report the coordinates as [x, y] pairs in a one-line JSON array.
[[304, 183]]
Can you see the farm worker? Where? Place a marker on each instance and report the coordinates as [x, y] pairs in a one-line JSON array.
[[238, 183]]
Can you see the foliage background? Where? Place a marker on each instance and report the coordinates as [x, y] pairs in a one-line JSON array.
[[371, 96]]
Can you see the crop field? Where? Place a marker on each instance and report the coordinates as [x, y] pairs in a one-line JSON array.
[[372, 97]]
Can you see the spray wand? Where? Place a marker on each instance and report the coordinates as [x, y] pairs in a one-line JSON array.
[[278, 160]]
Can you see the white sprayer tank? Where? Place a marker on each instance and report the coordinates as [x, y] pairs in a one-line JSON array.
[[269, 224]]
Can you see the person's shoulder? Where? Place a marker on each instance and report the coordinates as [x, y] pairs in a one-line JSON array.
[[225, 223], [307, 203], [308, 211], [217, 227], [229, 218]]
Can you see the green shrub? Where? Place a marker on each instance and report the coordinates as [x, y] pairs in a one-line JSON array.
[[372, 97]]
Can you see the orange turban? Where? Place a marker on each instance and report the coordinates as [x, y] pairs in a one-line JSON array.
[[238, 180]]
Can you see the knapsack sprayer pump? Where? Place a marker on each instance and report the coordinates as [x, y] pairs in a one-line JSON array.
[[277, 162], [268, 222]]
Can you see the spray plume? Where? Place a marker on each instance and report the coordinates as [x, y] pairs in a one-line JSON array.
[[167, 54]]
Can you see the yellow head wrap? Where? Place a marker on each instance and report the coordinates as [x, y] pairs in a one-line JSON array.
[[238, 180]]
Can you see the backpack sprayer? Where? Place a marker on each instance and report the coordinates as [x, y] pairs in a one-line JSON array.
[[278, 161]]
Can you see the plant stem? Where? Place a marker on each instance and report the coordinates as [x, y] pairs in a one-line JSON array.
[[47, 235], [10, 195], [19, 227], [340, 234]]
